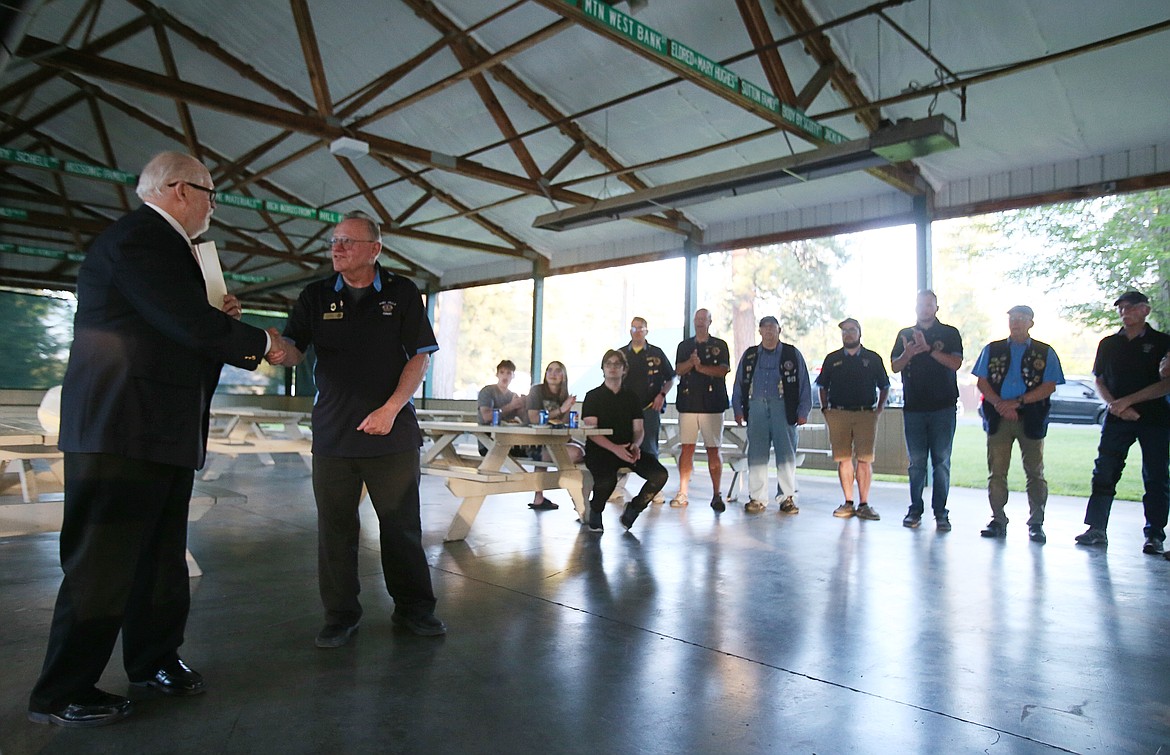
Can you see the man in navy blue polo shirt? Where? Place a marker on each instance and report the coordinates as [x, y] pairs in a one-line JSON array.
[[373, 344], [928, 354], [1131, 382]]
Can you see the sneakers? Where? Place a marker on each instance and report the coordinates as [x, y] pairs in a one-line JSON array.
[[845, 510], [754, 507], [994, 529], [679, 500], [1153, 546], [718, 504], [334, 635], [943, 523], [422, 624], [865, 511], [595, 524], [1036, 534], [659, 499], [788, 506], [633, 508], [1092, 536], [912, 520]]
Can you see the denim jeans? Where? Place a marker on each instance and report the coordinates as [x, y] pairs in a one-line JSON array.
[[1116, 438], [651, 423], [768, 429], [930, 433]]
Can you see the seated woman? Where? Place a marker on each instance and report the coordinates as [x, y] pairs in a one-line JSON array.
[[511, 406], [552, 396], [615, 408]]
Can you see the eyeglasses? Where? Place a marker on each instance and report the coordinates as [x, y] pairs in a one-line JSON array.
[[347, 243], [211, 193], [641, 329]]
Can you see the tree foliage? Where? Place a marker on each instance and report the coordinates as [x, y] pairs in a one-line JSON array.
[[37, 331], [794, 282], [1112, 245]]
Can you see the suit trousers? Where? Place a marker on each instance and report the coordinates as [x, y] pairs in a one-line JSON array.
[[392, 482], [124, 555]]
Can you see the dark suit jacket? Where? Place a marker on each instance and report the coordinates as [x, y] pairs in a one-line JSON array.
[[147, 348]]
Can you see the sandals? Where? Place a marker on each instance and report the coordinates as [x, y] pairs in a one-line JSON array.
[[545, 505], [679, 500]]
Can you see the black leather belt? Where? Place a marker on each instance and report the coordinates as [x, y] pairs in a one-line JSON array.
[[852, 408]]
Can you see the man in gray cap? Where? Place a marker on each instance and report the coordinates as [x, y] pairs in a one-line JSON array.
[[1129, 380], [1016, 376], [772, 393]]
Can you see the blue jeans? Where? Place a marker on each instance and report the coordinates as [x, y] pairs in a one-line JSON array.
[[651, 423], [1116, 438], [768, 429], [930, 433]]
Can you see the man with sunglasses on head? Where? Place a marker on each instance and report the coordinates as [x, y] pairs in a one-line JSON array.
[[146, 356], [373, 342]]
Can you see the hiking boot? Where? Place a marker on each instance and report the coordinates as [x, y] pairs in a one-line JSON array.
[[844, 511], [1092, 536], [994, 529], [788, 506], [865, 511], [754, 507]]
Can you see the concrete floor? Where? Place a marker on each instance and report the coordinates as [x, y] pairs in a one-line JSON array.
[[695, 633]]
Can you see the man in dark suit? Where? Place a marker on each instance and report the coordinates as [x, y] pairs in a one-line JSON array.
[[146, 356]]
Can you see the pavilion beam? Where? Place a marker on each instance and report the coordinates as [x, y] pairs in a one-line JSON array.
[[190, 135], [563, 161], [499, 115], [384, 215], [47, 114], [103, 133], [312, 53], [414, 207], [762, 39]]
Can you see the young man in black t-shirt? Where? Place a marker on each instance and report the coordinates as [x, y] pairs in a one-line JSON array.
[[613, 407]]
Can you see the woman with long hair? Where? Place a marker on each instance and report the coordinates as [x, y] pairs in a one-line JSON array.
[[552, 395]]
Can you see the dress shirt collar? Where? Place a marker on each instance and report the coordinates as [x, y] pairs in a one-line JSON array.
[[174, 223]]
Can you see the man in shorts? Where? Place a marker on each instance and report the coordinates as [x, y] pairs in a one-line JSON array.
[[702, 363], [854, 385]]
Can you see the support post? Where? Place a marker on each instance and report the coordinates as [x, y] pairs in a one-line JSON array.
[[924, 255], [690, 285], [537, 323]]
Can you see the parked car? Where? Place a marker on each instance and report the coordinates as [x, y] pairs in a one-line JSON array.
[[1074, 402], [1077, 401]]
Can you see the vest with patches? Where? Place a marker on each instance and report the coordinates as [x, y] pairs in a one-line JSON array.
[[1032, 365], [788, 379]]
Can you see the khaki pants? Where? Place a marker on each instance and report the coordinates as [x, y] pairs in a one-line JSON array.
[[999, 459]]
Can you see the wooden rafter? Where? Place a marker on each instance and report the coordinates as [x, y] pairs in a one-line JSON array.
[[99, 124], [761, 36], [190, 136], [312, 53]]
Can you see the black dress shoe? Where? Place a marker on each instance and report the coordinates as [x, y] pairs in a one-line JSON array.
[[426, 625], [98, 709], [175, 678]]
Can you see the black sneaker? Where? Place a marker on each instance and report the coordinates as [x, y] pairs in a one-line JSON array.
[[994, 529], [912, 520], [943, 523], [1153, 546], [595, 524], [717, 504], [1092, 536], [422, 624], [334, 635]]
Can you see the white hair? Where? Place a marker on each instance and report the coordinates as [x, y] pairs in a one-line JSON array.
[[167, 168]]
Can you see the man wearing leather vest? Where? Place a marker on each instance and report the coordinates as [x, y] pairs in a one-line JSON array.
[[1016, 377], [772, 393]]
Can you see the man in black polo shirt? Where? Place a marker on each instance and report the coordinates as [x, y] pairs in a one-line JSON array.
[[613, 407], [649, 375], [373, 344], [1129, 380], [854, 386], [928, 354], [702, 363]]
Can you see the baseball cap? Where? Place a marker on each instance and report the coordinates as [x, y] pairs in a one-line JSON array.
[[1132, 297], [1022, 309], [848, 320], [769, 320]]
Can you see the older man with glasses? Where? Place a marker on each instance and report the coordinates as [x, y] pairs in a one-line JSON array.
[[373, 343]]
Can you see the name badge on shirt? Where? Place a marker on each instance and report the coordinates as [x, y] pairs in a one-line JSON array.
[[332, 315]]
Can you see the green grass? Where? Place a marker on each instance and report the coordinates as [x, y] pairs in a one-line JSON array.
[[1069, 453]]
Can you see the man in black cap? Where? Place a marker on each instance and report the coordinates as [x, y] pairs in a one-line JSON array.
[[1128, 379], [854, 385], [1016, 376]]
